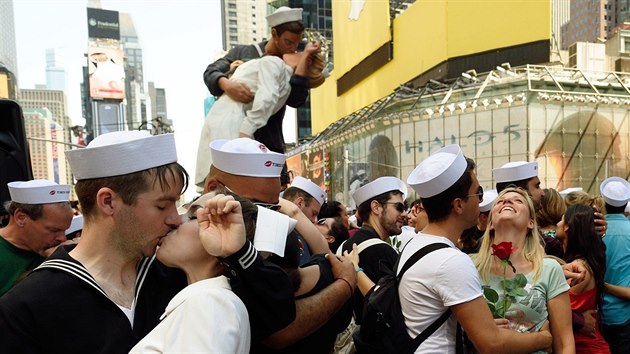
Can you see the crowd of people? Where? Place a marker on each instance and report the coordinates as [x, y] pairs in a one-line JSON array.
[[260, 264]]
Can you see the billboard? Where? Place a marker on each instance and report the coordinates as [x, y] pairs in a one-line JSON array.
[[103, 24], [106, 72]]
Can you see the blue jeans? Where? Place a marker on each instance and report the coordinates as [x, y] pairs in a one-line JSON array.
[[618, 337]]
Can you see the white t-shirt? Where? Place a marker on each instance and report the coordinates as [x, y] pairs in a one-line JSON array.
[[439, 280], [205, 317]]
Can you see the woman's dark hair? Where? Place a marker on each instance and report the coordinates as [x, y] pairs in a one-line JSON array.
[[339, 231], [330, 209], [584, 243]]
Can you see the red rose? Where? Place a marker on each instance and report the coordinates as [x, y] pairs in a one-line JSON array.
[[503, 250]]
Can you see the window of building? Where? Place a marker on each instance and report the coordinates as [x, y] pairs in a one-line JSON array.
[[231, 6], [232, 22], [234, 38], [232, 13]]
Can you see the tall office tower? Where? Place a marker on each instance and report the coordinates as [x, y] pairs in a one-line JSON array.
[[317, 17], [159, 118], [136, 110], [244, 22], [8, 52], [53, 100], [560, 16], [622, 12], [590, 21], [55, 71], [46, 140], [58, 122]]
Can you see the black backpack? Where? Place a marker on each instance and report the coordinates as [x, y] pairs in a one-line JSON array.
[[383, 327]]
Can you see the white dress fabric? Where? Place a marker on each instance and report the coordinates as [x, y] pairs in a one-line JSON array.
[[205, 317], [441, 279], [268, 78]]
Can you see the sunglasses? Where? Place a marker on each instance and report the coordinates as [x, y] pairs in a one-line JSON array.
[[479, 194], [398, 205], [274, 207]]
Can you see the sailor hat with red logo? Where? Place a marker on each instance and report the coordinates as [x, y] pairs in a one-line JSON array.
[[39, 191], [246, 157]]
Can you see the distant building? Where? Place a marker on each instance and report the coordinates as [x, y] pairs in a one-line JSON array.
[[51, 106], [244, 22], [159, 117], [8, 52], [46, 149], [618, 49], [136, 109], [588, 56], [55, 71], [594, 20]]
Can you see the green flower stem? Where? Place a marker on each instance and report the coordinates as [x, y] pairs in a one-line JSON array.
[[504, 289]]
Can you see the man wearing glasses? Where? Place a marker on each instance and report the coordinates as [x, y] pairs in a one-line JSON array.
[[247, 168], [381, 208]]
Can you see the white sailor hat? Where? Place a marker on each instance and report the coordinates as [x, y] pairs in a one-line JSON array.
[[246, 157], [121, 153], [438, 172], [615, 191], [515, 171], [379, 186], [38, 191], [489, 197], [284, 14], [309, 187], [75, 225], [563, 193]]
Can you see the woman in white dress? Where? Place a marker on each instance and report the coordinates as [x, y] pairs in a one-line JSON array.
[[268, 77]]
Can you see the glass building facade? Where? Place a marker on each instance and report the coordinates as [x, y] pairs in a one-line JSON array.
[[574, 123]]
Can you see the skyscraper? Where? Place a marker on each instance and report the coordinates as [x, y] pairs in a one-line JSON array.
[[593, 20], [8, 52], [244, 22], [46, 145], [55, 71], [136, 110], [51, 106]]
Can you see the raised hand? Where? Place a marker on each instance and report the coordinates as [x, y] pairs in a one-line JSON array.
[[221, 227]]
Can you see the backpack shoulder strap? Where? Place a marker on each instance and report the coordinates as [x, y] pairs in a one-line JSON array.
[[369, 243], [362, 246], [411, 261], [419, 254]]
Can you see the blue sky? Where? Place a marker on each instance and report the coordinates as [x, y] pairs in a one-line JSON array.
[[179, 39]]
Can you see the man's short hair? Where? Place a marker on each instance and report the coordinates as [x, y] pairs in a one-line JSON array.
[[614, 209], [34, 211], [296, 27], [520, 183], [438, 207], [366, 207], [292, 193], [128, 186]]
